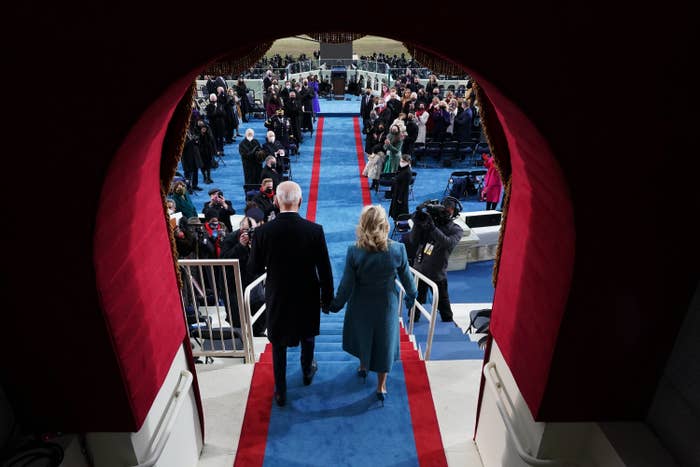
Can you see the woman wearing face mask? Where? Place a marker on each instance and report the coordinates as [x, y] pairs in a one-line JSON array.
[[392, 147], [183, 202]]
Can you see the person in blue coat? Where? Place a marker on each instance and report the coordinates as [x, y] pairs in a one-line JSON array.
[[371, 326]]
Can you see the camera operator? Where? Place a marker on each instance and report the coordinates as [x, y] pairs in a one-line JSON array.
[[237, 246], [433, 237], [218, 207]]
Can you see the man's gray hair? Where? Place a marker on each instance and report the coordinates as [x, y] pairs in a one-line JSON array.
[[288, 194]]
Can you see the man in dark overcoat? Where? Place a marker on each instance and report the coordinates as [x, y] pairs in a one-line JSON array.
[[293, 252]]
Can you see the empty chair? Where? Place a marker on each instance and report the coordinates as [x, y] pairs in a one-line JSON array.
[[432, 150], [457, 184], [465, 151], [386, 181], [410, 185], [448, 152], [481, 148], [418, 152], [401, 226], [285, 166]]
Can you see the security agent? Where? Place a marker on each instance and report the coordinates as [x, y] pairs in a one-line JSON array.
[[433, 238]]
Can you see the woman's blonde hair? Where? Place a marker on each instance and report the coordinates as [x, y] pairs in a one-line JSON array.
[[373, 229]]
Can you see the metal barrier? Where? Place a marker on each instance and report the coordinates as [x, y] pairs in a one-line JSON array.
[[247, 305], [207, 307], [431, 317]]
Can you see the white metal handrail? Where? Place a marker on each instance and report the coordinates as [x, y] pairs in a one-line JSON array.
[[417, 277], [197, 285], [168, 419], [499, 391], [252, 318]]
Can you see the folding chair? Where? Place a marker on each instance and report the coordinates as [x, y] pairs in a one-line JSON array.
[[454, 182], [386, 180], [432, 150], [418, 152], [480, 149], [401, 225], [448, 153], [465, 151], [285, 166]]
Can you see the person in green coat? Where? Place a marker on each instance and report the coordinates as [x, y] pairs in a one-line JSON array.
[[371, 325], [183, 202], [392, 147]]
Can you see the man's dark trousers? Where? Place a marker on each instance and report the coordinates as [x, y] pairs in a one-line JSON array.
[[279, 362]]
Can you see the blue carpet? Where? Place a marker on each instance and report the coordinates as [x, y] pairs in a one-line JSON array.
[[337, 420]]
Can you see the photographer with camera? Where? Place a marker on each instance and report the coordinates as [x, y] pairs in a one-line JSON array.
[[218, 207], [433, 237], [237, 246]]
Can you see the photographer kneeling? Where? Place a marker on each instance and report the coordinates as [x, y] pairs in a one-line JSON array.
[[433, 238]]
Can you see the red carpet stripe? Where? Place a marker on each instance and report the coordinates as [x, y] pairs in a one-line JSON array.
[[426, 430], [315, 173], [251, 444], [366, 196]]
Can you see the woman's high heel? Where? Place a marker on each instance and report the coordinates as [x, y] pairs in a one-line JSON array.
[[362, 374], [381, 396]]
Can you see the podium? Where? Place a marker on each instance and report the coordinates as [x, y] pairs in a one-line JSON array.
[[339, 76]]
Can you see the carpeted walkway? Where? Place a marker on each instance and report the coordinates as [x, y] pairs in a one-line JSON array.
[[337, 420]]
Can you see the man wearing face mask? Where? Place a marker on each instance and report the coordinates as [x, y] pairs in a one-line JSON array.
[[284, 93], [292, 110], [272, 146], [218, 207], [270, 171], [248, 149], [216, 232], [265, 200]]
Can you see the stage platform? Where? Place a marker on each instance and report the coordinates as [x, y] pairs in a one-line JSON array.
[[348, 107]]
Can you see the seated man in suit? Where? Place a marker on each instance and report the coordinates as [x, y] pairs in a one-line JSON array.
[[299, 280]]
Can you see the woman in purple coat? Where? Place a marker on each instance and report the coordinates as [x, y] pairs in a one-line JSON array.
[[313, 83], [492, 183]]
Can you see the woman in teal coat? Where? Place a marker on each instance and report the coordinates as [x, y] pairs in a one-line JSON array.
[[371, 327]]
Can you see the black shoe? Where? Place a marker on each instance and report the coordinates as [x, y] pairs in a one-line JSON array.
[[280, 399], [362, 374], [381, 396], [447, 320], [196, 188], [308, 377]]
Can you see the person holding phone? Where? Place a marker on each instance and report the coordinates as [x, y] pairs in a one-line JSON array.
[[218, 207]]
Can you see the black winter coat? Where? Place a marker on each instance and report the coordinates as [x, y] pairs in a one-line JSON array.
[[299, 276]]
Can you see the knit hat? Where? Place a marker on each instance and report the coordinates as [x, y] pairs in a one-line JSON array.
[[215, 190], [256, 214]]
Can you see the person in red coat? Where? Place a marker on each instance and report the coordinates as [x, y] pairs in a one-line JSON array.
[[492, 183]]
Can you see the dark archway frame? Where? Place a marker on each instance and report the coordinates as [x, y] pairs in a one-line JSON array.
[[139, 287]]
